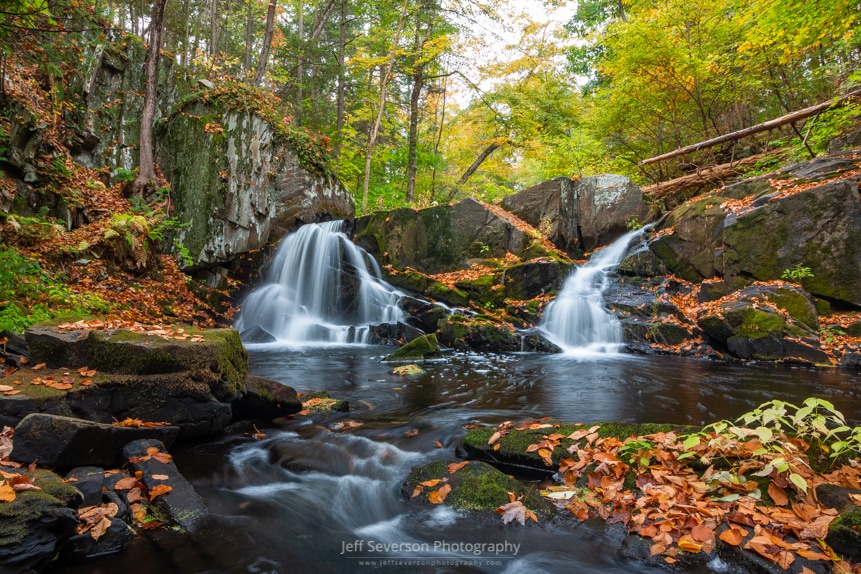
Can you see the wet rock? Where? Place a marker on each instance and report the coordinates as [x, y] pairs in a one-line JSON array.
[[182, 504], [393, 334], [851, 361], [83, 546], [320, 402], [765, 322], [478, 333], [266, 399], [844, 533], [14, 349], [533, 279], [420, 349], [550, 207], [476, 487], [63, 442], [90, 482], [423, 315], [35, 525], [257, 334]]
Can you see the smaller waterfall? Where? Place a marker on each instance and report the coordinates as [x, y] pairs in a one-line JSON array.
[[577, 319], [320, 287]]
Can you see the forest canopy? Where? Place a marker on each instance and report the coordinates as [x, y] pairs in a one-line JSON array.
[[428, 101]]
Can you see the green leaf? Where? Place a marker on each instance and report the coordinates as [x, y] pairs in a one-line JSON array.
[[766, 470], [692, 441], [764, 433], [798, 481]]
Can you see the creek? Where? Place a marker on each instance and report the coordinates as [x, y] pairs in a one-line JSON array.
[[323, 494], [294, 501]]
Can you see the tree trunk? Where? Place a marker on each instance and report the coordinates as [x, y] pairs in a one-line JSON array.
[[300, 68], [213, 28], [267, 43], [318, 27], [415, 96], [146, 173], [342, 46], [249, 40], [476, 164], [372, 137]]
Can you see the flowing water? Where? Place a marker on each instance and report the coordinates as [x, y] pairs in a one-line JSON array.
[[324, 495], [295, 501], [320, 288], [577, 320]]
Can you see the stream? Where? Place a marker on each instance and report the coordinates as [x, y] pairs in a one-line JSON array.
[[314, 497]]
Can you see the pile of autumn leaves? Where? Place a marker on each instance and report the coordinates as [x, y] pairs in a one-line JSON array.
[[692, 490]]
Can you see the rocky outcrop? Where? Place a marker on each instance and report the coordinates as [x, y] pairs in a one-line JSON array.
[[62, 442], [765, 322], [236, 186], [759, 228], [582, 214], [266, 399], [188, 381], [418, 350]]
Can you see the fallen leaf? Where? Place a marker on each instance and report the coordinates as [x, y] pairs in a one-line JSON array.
[[39, 367], [438, 496], [125, 483], [418, 490], [777, 494], [733, 536], [162, 457], [159, 490], [456, 466], [7, 493], [160, 477], [100, 528], [702, 533], [494, 437], [5, 388], [438, 444], [515, 511], [134, 494], [431, 483]]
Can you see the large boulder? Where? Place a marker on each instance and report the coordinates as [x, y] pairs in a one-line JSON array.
[[765, 322], [61, 442], [757, 229], [237, 185], [582, 214], [443, 238]]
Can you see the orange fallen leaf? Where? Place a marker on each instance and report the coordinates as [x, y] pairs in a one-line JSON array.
[[418, 490], [456, 466], [431, 483], [7, 493], [733, 536], [494, 437], [125, 483], [160, 477], [438, 444], [438, 496], [777, 494], [39, 367], [159, 490]]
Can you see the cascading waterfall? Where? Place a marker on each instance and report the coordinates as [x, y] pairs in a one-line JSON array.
[[320, 287], [577, 320]]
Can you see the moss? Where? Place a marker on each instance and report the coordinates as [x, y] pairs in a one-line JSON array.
[[796, 305], [34, 505], [419, 349], [759, 324], [477, 487]]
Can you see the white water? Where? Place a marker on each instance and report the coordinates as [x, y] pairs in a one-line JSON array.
[[319, 288], [577, 320]]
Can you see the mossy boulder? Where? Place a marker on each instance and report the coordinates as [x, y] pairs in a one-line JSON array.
[[765, 322], [35, 525], [509, 450], [213, 356], [266, 399], [692, 250], [419, 349], [477, 332], [442, 238], [475, 487]]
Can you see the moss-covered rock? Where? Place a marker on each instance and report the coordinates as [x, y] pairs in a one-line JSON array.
[[477, 332], [844, 533], [509, 451], [219, 358], [35, 525], [476, 487], [419, 349]]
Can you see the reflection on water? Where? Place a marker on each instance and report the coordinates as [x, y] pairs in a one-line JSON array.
[[308, 499]]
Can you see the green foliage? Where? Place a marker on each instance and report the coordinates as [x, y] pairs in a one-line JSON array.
[[796, 274], [28, 294], [126, 175]]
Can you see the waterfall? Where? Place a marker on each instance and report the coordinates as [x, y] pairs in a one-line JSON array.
[[577, 319], [320, 287]]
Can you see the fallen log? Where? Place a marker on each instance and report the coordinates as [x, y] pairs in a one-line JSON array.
[[713, 176], [765, 126]]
